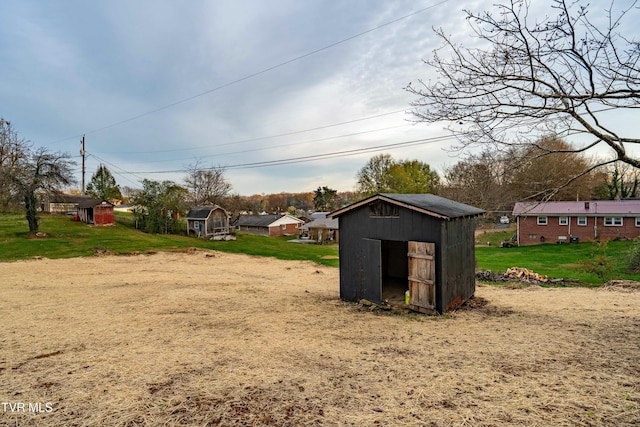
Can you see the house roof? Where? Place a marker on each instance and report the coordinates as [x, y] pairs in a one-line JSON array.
[[202, 212], [428, 204], [266, 220], [92, 202], [66, 198], [630, 207], [320, 220]]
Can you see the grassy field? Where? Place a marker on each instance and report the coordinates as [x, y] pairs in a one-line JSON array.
[[559, 261], [65, 239]]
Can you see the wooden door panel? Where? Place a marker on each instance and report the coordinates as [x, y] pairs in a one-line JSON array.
[[422, 280]]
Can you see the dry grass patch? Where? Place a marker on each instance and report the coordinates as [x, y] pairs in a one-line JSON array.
[[230, 340]]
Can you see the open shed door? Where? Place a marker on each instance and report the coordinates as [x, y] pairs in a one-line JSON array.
[[422, 276], [371, 270]]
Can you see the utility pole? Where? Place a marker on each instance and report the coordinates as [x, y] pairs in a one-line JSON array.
[[83, 169]]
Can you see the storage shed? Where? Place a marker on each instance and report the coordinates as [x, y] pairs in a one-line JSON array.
[[320, 229], [391, 243], [208, 221], [96, 212]]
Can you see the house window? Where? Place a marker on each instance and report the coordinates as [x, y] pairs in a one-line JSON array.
[[638, 221], [563, 220], [383, 210], [542, 220], [613, 221], [284, 226], [582, 220]]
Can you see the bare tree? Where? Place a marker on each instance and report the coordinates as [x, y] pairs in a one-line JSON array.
[[13, 151], [478, 180], [549, 169], [42, 172], [619, 181], [495, 180], [556, 77], [206, 184]]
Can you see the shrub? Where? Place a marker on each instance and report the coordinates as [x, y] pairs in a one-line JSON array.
[[633, 257], [599, 264]]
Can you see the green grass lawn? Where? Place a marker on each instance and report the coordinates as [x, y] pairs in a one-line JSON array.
[[65, 238], [559, 261]]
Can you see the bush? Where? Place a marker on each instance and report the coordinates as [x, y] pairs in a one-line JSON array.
[[599, 264], [633, 257]]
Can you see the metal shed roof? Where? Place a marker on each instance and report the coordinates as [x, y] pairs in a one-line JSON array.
[[429, 204], [202, 212], [93, 202]]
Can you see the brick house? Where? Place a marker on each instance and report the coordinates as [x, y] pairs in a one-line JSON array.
[[269, 225], [564, 222]]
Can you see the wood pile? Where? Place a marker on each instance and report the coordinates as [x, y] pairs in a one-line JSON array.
[[513, 274], [525, 275]]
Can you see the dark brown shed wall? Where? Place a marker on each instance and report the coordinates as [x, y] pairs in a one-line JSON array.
[[455, 256], [458, 263], [357, 225]]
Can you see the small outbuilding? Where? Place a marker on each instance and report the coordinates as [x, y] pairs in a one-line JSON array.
[[269, 225], [421, 243], [96, 212], [60, 203], [320, 229], [208, 221]]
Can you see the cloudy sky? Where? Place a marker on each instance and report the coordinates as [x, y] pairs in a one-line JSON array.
[[286, 95]]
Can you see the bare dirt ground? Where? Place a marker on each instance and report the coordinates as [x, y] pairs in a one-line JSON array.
[[209, 338]]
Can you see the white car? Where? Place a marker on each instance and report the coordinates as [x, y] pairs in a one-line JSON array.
[[504, 219]]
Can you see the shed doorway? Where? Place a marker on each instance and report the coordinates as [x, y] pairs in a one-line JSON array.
[[395, 271], [408, 266]]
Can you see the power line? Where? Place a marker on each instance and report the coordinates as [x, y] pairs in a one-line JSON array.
[[262, 138], [297, 144], [121, 174], [324, 156], [255, 74], [345, 153]]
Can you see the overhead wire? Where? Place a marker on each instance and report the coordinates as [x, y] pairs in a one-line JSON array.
[[115, 169], [251, 75], [262, 138], [313, 157], [292, 144]]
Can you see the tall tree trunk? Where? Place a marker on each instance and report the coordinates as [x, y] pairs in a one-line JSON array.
[[31, 205]]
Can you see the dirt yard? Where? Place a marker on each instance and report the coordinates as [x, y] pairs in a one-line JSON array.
[[209, 338]]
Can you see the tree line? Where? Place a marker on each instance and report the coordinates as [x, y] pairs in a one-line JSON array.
[[493, 180]]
